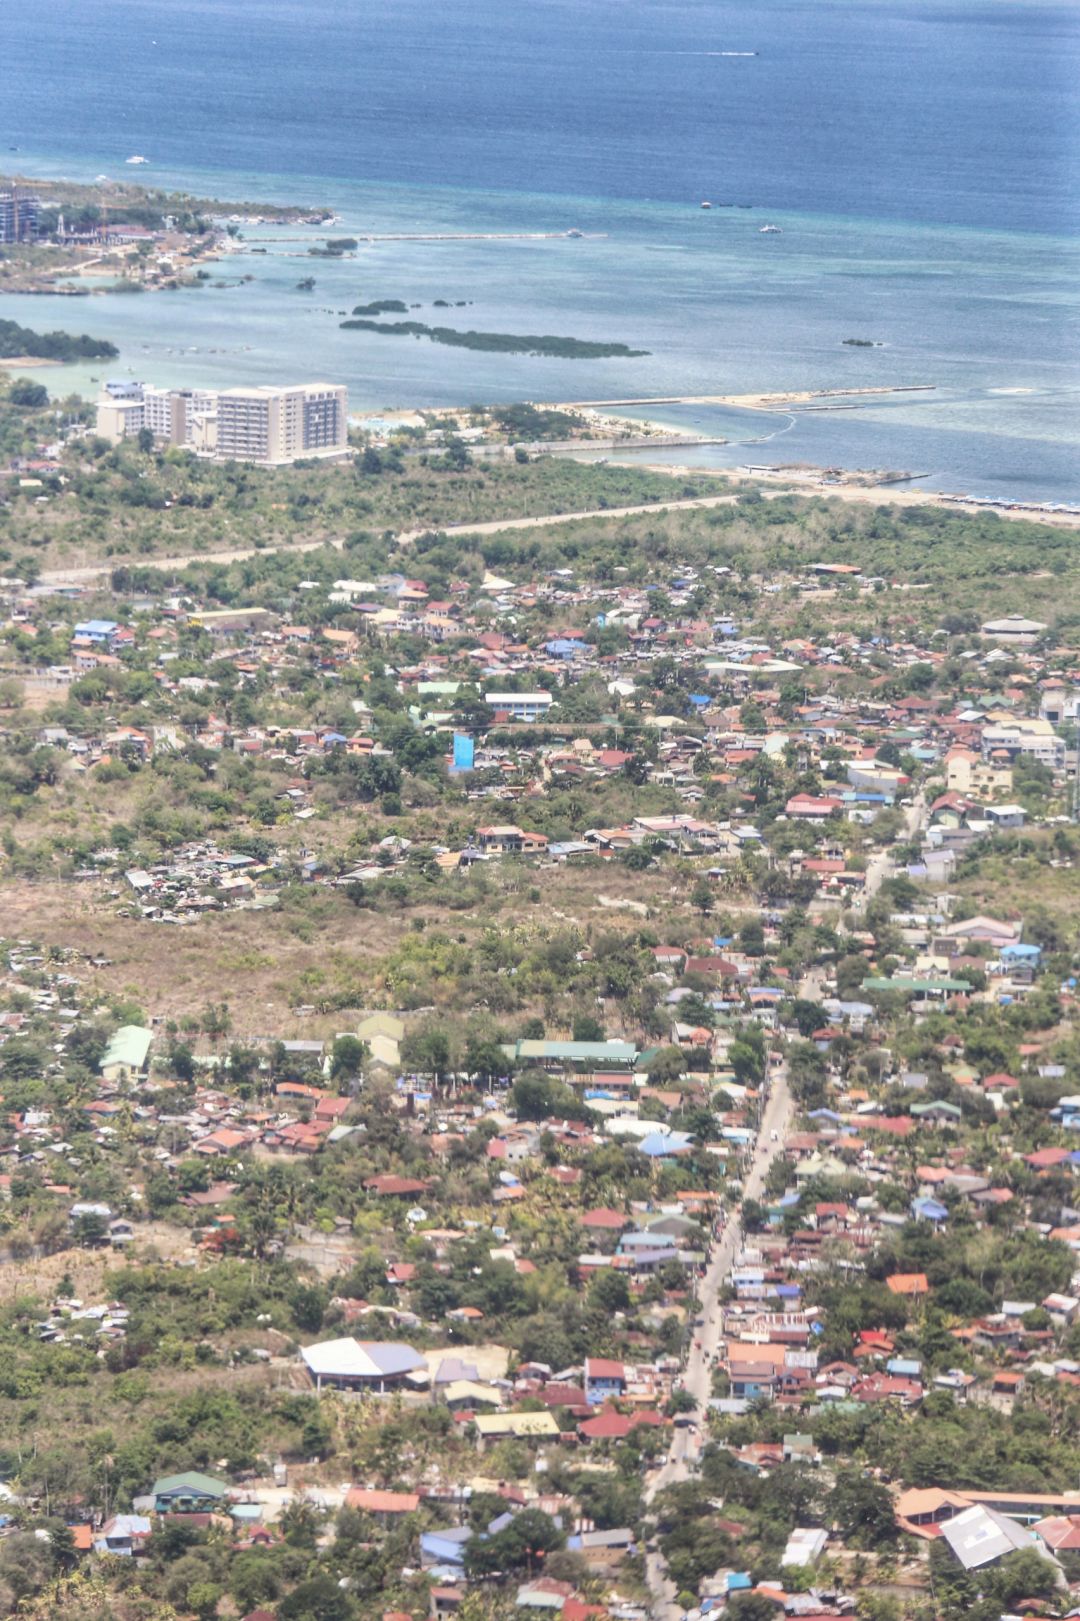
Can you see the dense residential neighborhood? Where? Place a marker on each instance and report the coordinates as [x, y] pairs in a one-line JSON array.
[[539, 1076]]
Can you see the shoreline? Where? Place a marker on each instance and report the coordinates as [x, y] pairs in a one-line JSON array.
[[806, 481], [851, 483], [755, 401], [61, 260]]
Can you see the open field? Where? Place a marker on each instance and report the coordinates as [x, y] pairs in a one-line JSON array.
[[267, 963]]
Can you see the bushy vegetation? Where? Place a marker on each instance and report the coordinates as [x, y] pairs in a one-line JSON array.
[[16, 340]]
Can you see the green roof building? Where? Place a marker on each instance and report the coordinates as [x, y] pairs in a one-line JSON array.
[[917, 987], [189, 1493], [583, 1055], [127, 1053]]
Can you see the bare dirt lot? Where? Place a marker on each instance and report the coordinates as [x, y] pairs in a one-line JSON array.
[[253, 960], [306, 972]]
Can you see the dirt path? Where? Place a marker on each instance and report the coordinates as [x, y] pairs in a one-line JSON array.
[[796, 483], [493, 526]]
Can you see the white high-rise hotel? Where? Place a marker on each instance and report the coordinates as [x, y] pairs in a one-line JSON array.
[[271, 426]]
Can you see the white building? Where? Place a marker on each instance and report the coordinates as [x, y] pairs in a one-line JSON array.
[[1031, 736], [805, 1546], [271, 426], [280, 425]]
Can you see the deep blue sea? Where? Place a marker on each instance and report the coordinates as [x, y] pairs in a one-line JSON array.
[[922, 159]]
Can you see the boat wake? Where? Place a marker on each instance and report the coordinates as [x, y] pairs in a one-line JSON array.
[[765, 437]]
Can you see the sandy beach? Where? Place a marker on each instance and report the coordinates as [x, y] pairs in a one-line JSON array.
[[747, 402], [876, 485], [818, 481]]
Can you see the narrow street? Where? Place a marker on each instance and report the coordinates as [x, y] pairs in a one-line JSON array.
[[881, 866], [686, 1442], [697, 1376]]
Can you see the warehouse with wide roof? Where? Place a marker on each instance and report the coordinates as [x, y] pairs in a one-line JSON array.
[[372, 1365]]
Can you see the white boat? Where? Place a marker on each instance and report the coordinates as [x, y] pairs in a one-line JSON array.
[[770, 230], [137, 159], [706, 205]]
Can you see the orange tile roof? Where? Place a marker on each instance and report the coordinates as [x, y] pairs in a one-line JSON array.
[[908, 1283], [372, 1501]]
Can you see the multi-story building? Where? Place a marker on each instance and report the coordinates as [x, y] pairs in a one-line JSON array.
[[272, 426], [119, 417], [126, 408], [158, 412], [20, 212], [280, 425], [193, 419], [1034, 737]]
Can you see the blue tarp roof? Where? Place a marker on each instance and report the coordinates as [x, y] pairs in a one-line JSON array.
[[657, 1145]]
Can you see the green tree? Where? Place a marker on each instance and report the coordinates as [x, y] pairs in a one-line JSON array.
[[28, 395], [308, 1306], [609, 1291], [347, 1060], [701, 897], [203, 1596], [536, 1096], [317, 1599], [863, 1509], [747, 1061], [669, 1064], [89, 1230], [749, 1607], [522, 1544]]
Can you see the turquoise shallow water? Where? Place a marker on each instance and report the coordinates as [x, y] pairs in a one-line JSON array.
[[921, 158]]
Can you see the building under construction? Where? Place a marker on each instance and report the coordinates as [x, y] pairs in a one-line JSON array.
[[20, 212]]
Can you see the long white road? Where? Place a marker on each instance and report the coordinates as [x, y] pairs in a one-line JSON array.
[[84, 574], [697, 1377]]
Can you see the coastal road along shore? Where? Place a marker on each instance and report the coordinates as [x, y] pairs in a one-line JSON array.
[[697, 1375]]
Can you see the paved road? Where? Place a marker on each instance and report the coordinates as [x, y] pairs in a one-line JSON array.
[[697, 1377], [685, 1445]]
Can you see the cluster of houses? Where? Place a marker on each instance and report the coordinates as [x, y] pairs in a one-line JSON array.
[[983, 757], [811, 697]]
